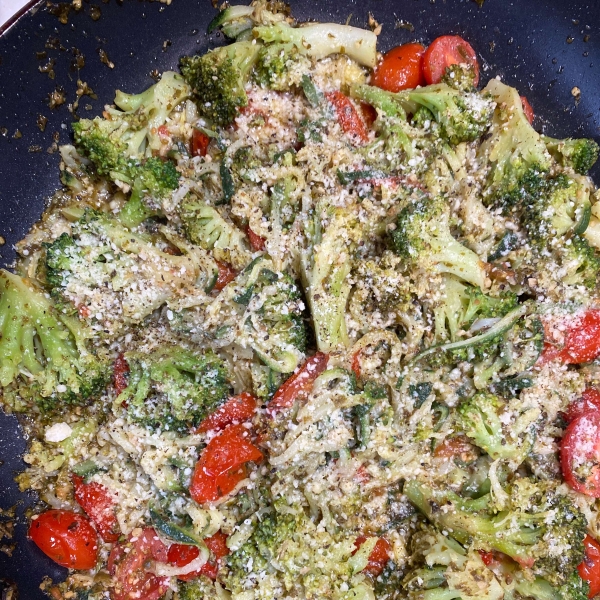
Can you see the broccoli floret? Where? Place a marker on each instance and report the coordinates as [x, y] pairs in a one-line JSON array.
[[581, 261], [460, 77], [233, 20], [481, 418], [218, 79], [581, 154], [44, 355], [201, 588], [422, 238], [204, 226], [318, 40], [574, 588], [515, 152], [326, 263], [114, 276], [538, 527], [280, 66], [463, 304], [173, 389]]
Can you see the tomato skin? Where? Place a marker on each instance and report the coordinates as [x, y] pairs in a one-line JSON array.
[[355, 365], [180, 555], [589, 569], [379, 556], [348, 117], [221, 465], [445, 51], [127, 562], [66, 537], [589, 402], [226, 275], [400, 69], [97, 503], [581, 446], [298, 383], [486, 557], [200, 142], [237, 408], [256, 241], [120, 374], [527, 109], [581, 340]]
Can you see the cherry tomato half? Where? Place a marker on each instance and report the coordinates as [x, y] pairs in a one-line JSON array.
[[120, 374], [237, 409], [581, 340], [589, 569], [580, 454], [348, 118], [379, 556], [226, 275], [445, 51], [527, 109], [221, 465], [200, 142], [400, 69], [99, 506], [66, 537], [180, 555], [257, 243], [589, 402], [299, 383]]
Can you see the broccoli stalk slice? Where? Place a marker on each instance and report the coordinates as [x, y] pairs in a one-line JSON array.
[[230, 14], [579, 154], [320, 40]]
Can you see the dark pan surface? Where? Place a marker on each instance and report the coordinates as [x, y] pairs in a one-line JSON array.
[[543, 47]]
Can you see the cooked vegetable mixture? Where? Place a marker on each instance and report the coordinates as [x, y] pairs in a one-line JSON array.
[[307, 322]]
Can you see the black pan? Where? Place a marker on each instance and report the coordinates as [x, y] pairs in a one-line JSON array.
[[546, 48]]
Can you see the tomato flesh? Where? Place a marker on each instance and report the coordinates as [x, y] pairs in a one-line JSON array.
[[221, 464], [580, 454], [200, 142], [237, 409], [581, 340], [348, 117], [299, 383], [355, 366], [527, 109], [180, 555], [589, 569], [226, 275], [445, 51], [99, 506], [589, 402], [128, 563], [400, 69], [120, 374], [257, 242], [379, 557], [66, 537]]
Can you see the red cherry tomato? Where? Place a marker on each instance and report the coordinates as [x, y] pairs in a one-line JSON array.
[[445, 51], [299, 383], [128, 563], [226, 275], [256, 242], [355, 365], [369, 114], [120, 373], [99, 506], [237, 409], [589, 569], [487, 557], [400, 69], [581, 340], [458, 446], [200, 143], [348, 117], [180, 555], [527, 109], [580, 454], [379, 556], [221, 464], [66, 537], [589, 402]]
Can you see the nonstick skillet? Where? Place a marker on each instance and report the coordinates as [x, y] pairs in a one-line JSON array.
[[548, 49]]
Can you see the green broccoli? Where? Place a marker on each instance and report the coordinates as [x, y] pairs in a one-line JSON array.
[[201, 588], [205, 226], [233, 21], [326, 263], [515, 152], [460, 77], [575, 588], [319, 40], [580, 154], [538, 527], [44, 355], [115, 276], [481, 418], [581, 262], [280, 66], [173, 389], [422, 238], [218, 79]]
